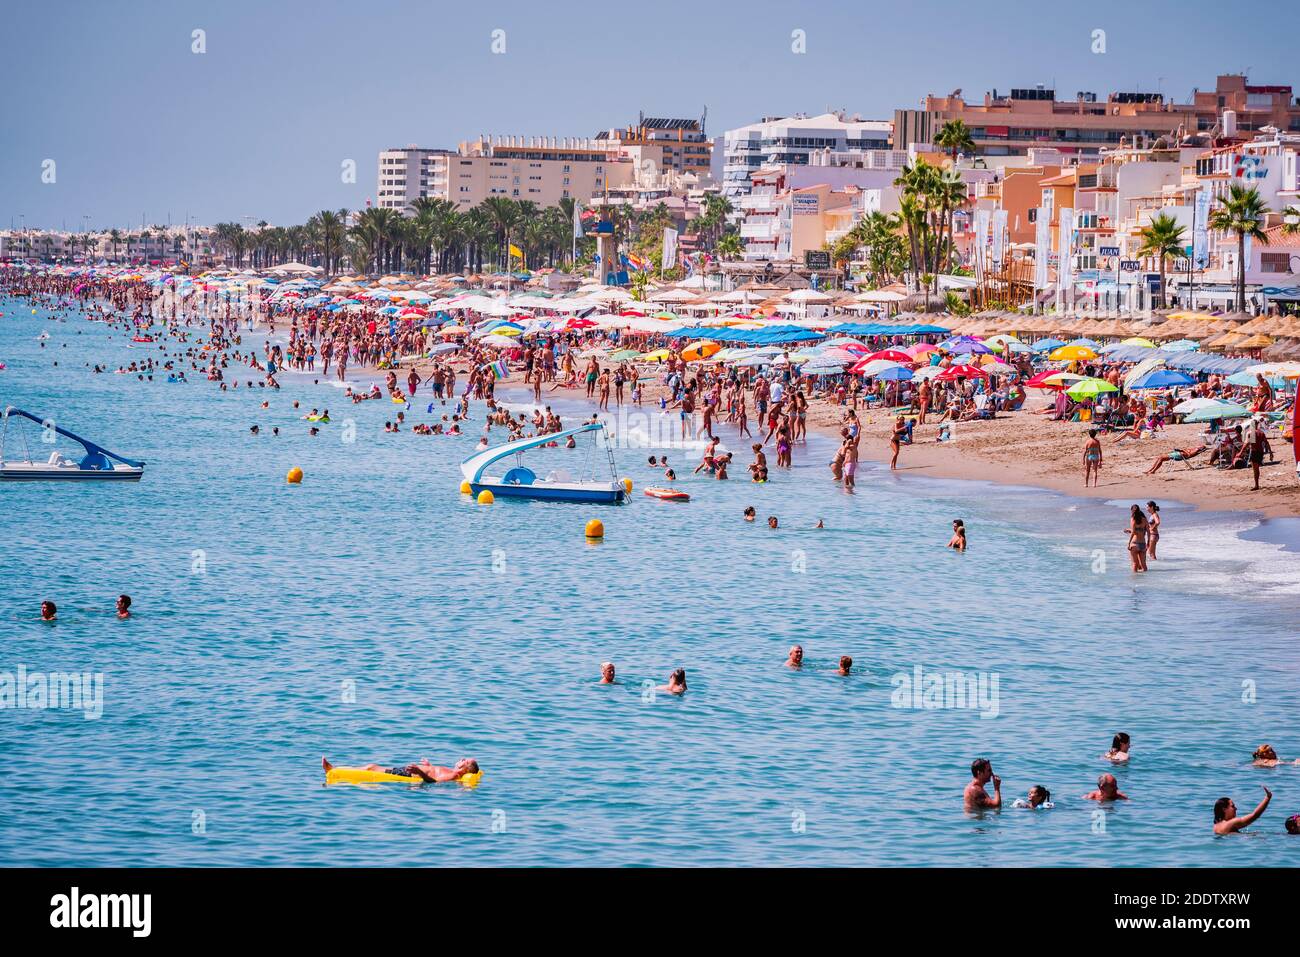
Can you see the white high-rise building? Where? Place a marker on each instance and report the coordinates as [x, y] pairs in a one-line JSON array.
[[409, 173], [792, 140]]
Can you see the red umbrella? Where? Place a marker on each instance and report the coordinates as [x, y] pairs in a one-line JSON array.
[[1037, 381], [893, 355], [961, 372], [579, 324]]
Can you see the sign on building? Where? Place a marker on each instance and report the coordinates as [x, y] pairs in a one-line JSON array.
[[817, 259], [805, 204]]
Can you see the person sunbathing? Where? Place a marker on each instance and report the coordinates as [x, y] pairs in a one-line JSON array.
[[433, 773], [1176, 455]]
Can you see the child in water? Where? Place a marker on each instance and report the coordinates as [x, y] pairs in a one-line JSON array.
[[1039, 796]]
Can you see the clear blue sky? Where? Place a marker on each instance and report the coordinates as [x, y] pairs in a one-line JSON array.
[[141, 127]]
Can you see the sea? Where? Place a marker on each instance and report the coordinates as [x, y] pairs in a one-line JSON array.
[[374, 614]]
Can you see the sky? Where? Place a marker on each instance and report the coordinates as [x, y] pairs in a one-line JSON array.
[[114, 116]]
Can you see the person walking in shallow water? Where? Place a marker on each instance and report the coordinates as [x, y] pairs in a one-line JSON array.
[[1137, 538]]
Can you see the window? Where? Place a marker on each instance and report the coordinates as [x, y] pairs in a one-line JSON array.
[[1275, 262]]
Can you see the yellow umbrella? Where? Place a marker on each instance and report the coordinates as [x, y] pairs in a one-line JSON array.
[[700, 350], [1071, 353], [1138, 341], [507, 331], [659, 355]]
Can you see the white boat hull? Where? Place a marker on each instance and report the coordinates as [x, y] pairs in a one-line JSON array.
[[41, 472]]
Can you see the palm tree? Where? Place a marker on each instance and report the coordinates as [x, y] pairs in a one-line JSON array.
[[955, 136], [729, 246], [503, 214], [327, 230], [115, 237], [1162, 238], [1241, 212]]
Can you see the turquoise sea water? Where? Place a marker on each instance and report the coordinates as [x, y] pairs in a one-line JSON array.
[[372, 614]]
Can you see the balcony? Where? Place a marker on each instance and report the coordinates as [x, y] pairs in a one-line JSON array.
[[759, 228], [765, 202]]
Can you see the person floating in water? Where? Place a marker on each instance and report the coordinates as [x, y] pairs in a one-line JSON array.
[[795, 658], [1039, 796], [975, 797], [1107, 790], [1118, 748], [846, 665], [1226, 820], [607, 672], [433, 773], [49, 611], [750, 514], [1266, 757], [123, 606]]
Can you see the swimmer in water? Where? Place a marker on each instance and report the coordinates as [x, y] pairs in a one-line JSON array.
[[1039, 796], [433, 773], [254, 430], [820, 524], [975, 797], [846, 665], [607, 672], [750, 514], [795, 659], [49, 611], [1118, 748], [653, 463], [670, 475], [772, 522], [958, 540], [1293, 824], [1266, 757], [1226, 820], [123, 606], [1107, 790], [676, 682]]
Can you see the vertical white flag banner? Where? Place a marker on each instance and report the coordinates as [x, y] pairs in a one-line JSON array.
[[669, 259], [980, 256], [999, 234], [1042, 249], [1065, 243], [577, 220], [1201, 234]]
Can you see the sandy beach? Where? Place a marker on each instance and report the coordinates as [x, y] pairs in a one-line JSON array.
[[1021, 448]]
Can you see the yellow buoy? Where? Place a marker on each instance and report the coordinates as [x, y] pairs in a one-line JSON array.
[[627, 485], [295, 476], [595, 528], [486, 498], [465, 489]]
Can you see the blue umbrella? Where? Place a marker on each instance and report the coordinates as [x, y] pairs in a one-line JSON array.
[[1047, 345], [1090, 343], [1182, 345], [1248, 378], [1162, 379], [895, 374]]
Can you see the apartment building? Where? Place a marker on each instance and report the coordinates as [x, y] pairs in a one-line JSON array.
[[664, 146], [543, 170], [793, 141], [163, 244], [1023, 118]]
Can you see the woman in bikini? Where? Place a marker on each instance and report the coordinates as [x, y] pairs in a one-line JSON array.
[[1153, 526], [1137, 538]]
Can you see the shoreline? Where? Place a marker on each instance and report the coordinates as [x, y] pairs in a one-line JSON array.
[[1020, 449]]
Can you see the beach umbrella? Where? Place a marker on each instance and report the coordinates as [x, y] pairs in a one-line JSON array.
[[1181, 345], [1162, 379], [1191, 405], [700, 350], [895, 374], [622, 355], [821, 367], [499, 342], [921, 349], [659, 355], [1090, 389], [1138, 341], [967, 344], [873, 367], [1218, 410], [1071, 353], [893, 355], [953, 373], [999, 368], [1246, 377], [453, 331], [1043, 345], [444, 347]]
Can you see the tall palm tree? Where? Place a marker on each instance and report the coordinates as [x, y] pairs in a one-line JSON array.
[[328, 230], [1241, 212], [504, 215], [955, 137], [115, 237], [1162, 238]]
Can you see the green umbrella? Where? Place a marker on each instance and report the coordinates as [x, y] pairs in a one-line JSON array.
[[1089, 388], [1220, 410], [623, 355]]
